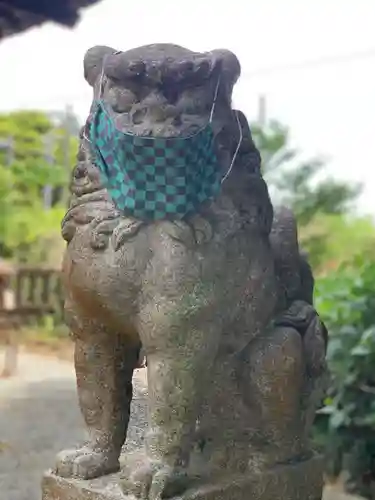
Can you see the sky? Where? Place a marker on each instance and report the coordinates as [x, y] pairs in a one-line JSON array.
[[328, 105]]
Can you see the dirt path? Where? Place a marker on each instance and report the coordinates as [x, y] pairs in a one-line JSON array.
[[39, 416]]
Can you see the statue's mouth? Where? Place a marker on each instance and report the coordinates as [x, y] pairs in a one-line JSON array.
[[163, 90]]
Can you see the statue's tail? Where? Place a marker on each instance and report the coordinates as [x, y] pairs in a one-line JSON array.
[[296, 285]]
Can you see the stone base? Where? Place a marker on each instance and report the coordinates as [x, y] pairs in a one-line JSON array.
[[299, 481]]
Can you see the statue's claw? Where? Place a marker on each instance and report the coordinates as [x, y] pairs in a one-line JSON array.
[[156, 481], [85, 463]]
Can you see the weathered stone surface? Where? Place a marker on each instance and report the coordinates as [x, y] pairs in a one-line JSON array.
[[219, 300], [301, 481]]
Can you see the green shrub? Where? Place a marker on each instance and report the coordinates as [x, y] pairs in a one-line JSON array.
[[345, 300]]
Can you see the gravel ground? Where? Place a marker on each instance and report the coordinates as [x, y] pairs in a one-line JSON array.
[[39, 417]]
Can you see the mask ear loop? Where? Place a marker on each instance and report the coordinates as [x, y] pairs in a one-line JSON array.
[[237, 149], [101, 80], [101, 91], [215, 99], [85, 136], [239, 129]]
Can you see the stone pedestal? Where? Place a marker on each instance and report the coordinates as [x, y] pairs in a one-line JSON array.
[[299, 481]]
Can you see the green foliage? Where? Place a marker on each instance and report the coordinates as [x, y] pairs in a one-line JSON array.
[[345, 300], [327, 237], [41, 154], [318, 202]]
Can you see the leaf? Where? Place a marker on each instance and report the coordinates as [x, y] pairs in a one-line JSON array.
[[326, 410], [360, 350], [337, 419], [368, 336]]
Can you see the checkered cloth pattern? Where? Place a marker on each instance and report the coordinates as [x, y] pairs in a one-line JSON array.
[[155, 178]]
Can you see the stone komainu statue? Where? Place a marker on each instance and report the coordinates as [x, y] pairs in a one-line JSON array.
[[173, 247]]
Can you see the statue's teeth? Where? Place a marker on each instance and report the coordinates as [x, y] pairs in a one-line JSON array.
[[193, 101]]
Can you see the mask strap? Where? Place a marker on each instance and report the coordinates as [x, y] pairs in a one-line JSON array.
[[215, 99], [101, 91], [85, 136], [237, 149], [101, 80]]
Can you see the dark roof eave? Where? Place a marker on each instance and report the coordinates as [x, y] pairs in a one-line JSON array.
[[14, 19]]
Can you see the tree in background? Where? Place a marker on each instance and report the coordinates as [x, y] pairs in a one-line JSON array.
[[35, 162], [322, 205]]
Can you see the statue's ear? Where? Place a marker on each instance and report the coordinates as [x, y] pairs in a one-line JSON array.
[[93, 62], [230, 67]]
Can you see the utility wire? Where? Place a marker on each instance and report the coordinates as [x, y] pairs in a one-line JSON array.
[[313, 63], [308, 64]]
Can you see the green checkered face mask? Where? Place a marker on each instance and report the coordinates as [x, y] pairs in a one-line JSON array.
[[154, 178]]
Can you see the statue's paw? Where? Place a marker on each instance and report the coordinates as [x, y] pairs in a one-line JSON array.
[[156, 481], [85, 463]]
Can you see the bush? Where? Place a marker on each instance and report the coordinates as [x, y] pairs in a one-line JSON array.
[[345, 300]]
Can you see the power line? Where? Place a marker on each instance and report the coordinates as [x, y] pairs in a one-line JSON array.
[[312, 63], [307, 64]]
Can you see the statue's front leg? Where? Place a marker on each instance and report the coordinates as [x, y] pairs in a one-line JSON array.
[[104, 368], [180, 341]]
